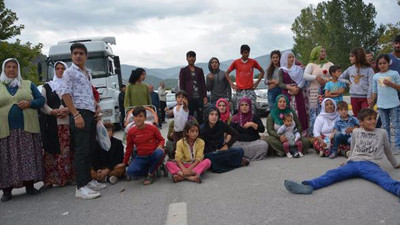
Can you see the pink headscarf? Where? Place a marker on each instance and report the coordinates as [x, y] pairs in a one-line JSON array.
[[227, 113], [242, 118]]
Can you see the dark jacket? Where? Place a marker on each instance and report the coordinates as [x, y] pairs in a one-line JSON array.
[[249, 134], [186, 81], [108, 159]]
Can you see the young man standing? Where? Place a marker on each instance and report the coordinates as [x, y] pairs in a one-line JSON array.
[[395, 56], [77, 94], [162, 95], [191, 80], [244, 76]]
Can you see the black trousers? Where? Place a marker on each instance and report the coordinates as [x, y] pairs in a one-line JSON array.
[[162, 107], [83, 141], [196, 105]]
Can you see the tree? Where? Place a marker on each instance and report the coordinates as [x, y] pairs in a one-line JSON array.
[[26, 54], [385, 41], [339, 26], [7, 19]]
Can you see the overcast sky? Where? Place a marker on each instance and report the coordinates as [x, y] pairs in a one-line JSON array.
[[158, 33]]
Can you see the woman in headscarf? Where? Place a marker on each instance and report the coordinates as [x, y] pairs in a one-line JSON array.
[[323, 127], [291, 82], [224, 110], [55, 133], [249, 125], [317, 72], [216, 82], [218, 146], [21, 157], [275, 121]]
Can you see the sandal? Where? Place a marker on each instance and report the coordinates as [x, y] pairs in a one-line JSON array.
[[177, 178], [148, 180]]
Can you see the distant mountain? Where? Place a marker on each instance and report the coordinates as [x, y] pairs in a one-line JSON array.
[[170, 75]]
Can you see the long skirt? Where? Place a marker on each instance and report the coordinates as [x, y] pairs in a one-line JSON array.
[[253, 150], [21, 159], [58, 167]]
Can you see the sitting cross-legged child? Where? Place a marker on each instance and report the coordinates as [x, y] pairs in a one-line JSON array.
[[104, 164], [368, 145], [289, 130], [189, 156], [149, 144], [343, 129]]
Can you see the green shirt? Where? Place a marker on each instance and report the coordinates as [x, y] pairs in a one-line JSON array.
[[136, 95]]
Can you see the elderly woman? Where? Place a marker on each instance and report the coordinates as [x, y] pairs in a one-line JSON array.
[[249, 126], [323, 127], [274, 122], [21, 157], [224, 110], [292, 83], [218, 146], [317, 73], [55, 133]]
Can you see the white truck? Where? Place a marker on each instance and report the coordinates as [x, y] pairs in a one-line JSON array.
[[104, 66]]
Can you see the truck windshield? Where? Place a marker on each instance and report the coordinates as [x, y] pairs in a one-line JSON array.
[[97, 66]]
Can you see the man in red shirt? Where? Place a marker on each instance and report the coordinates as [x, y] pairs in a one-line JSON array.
[[244, 75], [150, 148]]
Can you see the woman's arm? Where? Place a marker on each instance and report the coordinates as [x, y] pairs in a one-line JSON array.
[[46, 109], [308, 73], [270, 127], [281, 84], [234, 134], [260, 125], [38, 99]]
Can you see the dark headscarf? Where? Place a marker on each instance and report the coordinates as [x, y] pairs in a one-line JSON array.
[[242, 118], [209, 66], [213, 137], [276, 113]]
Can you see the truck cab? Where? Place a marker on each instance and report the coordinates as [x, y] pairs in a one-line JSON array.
[[103, 65]]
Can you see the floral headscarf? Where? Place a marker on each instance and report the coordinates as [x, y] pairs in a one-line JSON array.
[[13, 82], [243, 118], [276, 113], [224, 116], [314, 56]]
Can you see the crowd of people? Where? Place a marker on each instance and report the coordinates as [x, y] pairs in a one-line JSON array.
[[50, 135]]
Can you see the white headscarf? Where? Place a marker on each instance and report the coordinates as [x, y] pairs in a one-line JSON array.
[[295, 72], [13, 82], [332, 116], [57, 82]]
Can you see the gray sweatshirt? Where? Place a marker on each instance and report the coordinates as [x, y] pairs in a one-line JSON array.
[[219, 87], [360, 81], [370, 146]]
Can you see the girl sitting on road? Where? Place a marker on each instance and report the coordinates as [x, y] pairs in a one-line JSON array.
[[189, 156]]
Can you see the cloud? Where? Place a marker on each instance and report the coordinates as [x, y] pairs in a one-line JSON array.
[[156, 33]]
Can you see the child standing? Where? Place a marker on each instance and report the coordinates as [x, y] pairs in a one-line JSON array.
[[359, 77], [368, 145], [149, 144], [384, 87], [289, 130], [334, 89], [181, 116], [343, 128], [189, 157], [137, 93]]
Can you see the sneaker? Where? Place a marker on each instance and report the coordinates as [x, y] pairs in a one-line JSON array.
[[301, 154], [112, 179], [86, 193], [298, 188], [332, 156], [289, 155], [321, 153], [94, 185]]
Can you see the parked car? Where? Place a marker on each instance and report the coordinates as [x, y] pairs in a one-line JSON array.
[[171, 102], [262, 105]]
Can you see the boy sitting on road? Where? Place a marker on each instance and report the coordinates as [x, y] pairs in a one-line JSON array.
[[368, 144], [149, 144]]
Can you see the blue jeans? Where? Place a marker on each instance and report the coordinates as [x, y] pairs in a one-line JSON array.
[[391, 115], [357, 169], [272, 94], [224, 161], [340, 139], [314, 112], [143, 165]]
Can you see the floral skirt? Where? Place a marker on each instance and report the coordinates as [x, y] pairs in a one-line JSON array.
[[58, 167], [21, 158], [342, 149]]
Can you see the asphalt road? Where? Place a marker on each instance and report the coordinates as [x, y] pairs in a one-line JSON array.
[[250, 195]]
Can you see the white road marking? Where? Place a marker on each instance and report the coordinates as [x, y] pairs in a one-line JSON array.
[[177, 214]]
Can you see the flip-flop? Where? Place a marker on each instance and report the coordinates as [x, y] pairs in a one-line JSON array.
[[148, 180]]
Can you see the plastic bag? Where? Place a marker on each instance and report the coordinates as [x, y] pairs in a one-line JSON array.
[[102, 136]]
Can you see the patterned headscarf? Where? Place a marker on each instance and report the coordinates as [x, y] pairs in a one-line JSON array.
[[314, 56], [57, 82], [224, 116], [13, 82], [243, 118], [276, 113]]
